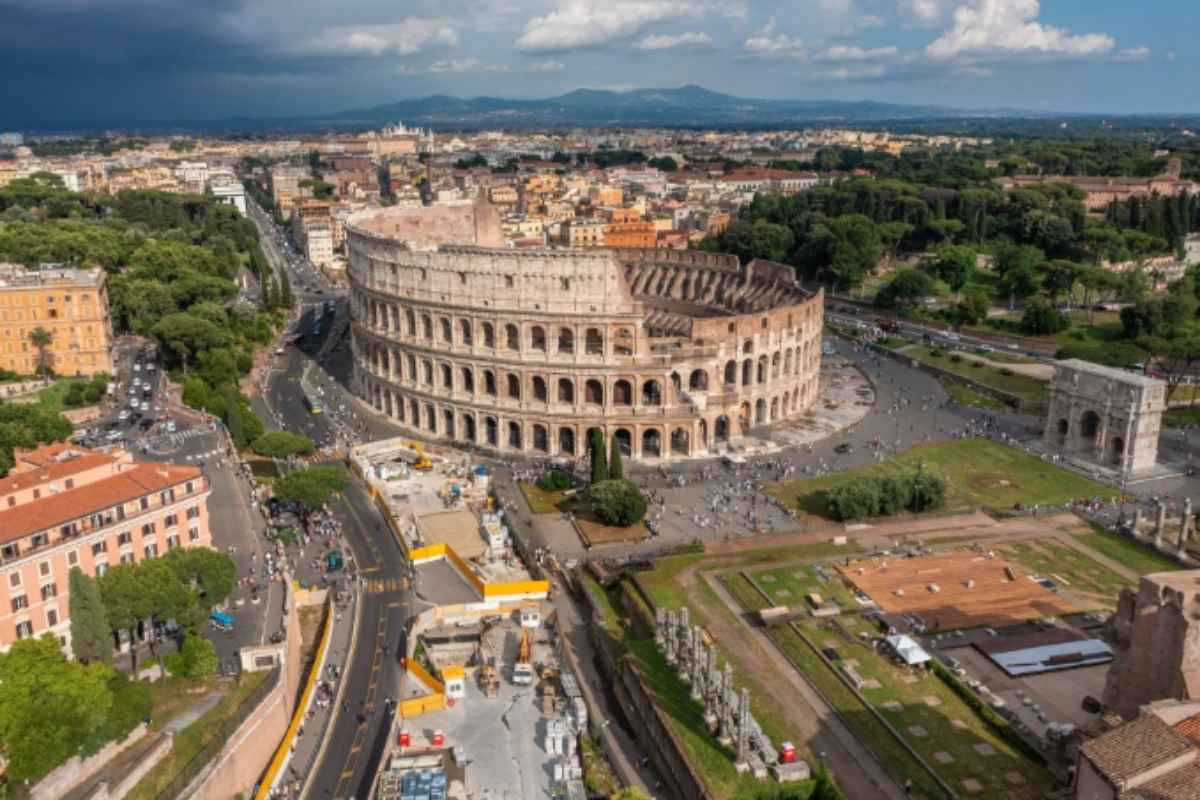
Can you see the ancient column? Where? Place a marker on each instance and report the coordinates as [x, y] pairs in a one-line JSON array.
[[698, 661], [660, 624], [743, 729], [669, 637], [1137, 521], [1160, 523], [712, 677], [1185, 526]]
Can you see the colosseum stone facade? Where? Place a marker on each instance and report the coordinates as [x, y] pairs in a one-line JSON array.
[[523, 351]]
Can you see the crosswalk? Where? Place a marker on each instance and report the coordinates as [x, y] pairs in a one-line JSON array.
[[385, 585]]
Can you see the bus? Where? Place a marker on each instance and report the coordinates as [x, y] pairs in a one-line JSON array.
[[315, 406]]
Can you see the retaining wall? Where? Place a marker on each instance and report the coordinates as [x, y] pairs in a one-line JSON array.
[[76, 770]]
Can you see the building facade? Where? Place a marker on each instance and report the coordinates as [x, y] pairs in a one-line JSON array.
[[524, 351], [72, 304], [63, 506]]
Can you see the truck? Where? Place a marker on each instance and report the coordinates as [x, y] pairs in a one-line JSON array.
[[523, 668]]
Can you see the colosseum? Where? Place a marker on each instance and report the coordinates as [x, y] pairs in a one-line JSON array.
[[672, 353]]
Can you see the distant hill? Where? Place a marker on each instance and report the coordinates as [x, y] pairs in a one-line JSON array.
[[681, 107]]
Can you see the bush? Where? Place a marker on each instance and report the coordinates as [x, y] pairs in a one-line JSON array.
[[196, 658], [618, 502], [1005, 371], [1043, 319], [977, 365], [937, 352], [885, 495], [282, 444], [556, 480]]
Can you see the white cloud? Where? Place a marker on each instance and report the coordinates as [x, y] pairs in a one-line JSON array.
[[1132, 55], [673, 41], [585, 23], [924, 12], [460, 65], [766, 42], [841, 52], [403, 38], [1011, 27], [849, 73]]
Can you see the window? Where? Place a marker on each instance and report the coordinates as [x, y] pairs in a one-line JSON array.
[[51, 617], [172, 541], [101, 569], [39, 540], [124, 538], [49, 590], [189, 487], [37, 494], [24, 629], [14, 579], [70, 483], [508, 281], [193, 534], [172, 520], [144, 502], [127, 558], [73, 558], [44, 569], [193, 512], [148, 529], [151, 550], [99, 547], [20, 602]]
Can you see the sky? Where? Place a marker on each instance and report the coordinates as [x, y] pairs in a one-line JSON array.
[[86, 61]]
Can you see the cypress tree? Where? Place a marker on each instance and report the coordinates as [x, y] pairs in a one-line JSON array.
[[285, 290], [616, 470], [599, 462], [91, 635]]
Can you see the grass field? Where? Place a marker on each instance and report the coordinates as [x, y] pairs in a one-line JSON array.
[[951, 729], [1181, 417], [978, 473], [1028, 389], [540, 501], [1082, 576], [1141, 560], [967, 397], [788, 586]]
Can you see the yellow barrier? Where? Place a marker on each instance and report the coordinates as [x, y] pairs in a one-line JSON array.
[[428, 553], [422, 705], [423, 676], [522, 588], [285, 746], [465, 569]]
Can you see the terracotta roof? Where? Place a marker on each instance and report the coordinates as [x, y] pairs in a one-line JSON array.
[[50, 512], [1136, 747], [1179, 784], [1190, 728], [42, 470]]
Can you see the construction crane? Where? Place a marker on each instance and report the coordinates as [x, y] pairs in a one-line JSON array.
[[523, 669], [422, 463]]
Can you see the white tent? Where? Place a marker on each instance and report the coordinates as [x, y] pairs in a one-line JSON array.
[[908, 650]]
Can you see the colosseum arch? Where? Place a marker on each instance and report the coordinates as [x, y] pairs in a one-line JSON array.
[[541, 438], [468, 428], [566, 391], [624, 440], [513, 386], [633, 320], [540, 395], [566, 440], [651, 443], [515, 440]]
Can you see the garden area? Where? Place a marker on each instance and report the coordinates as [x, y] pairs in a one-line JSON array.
[[978, 473], [1031, 391], [959, 746]]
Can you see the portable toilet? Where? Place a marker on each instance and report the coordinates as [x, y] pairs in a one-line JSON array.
[[787, 753], [455, 681], [483, 478], [405, 738], [335, 560], [439, 739], [531, 617]]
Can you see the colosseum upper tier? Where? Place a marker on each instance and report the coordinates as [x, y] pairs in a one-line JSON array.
[[523, 351]]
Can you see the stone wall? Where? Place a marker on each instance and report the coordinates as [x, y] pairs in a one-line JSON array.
[[240, 764], [76, 770], [115, 791]]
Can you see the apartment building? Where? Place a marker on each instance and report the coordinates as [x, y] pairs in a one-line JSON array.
[[630, 234], [585, 233], [64, 506], [72, 304]]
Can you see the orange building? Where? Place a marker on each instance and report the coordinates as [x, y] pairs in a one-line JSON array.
[[630, 234], [64, 506]]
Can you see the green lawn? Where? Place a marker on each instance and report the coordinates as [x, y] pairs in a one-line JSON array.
[[1181, 417], [1081, 574], [1141, 560], [969, 366], [978, 473], [540, 501], [788, 586], [192, 739], [968, 397]]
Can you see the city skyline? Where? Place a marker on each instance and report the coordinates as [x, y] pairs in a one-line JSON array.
[[265, 59]]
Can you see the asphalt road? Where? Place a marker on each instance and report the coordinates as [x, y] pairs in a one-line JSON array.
[[354, 743]]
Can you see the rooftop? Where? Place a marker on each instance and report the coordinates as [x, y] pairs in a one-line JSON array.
[[1179, 784], [1136, 747], [1112, 373], [16, 276], [71, 504]]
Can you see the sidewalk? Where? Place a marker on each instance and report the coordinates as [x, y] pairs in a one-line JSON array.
[[310, 738]]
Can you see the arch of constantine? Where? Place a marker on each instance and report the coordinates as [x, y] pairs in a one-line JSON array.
[[1105, 416], [670, 353]]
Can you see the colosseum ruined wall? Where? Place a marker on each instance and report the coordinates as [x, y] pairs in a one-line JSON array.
[[672, 353]]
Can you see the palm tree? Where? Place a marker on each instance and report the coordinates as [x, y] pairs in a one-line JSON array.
[[42, 339]]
